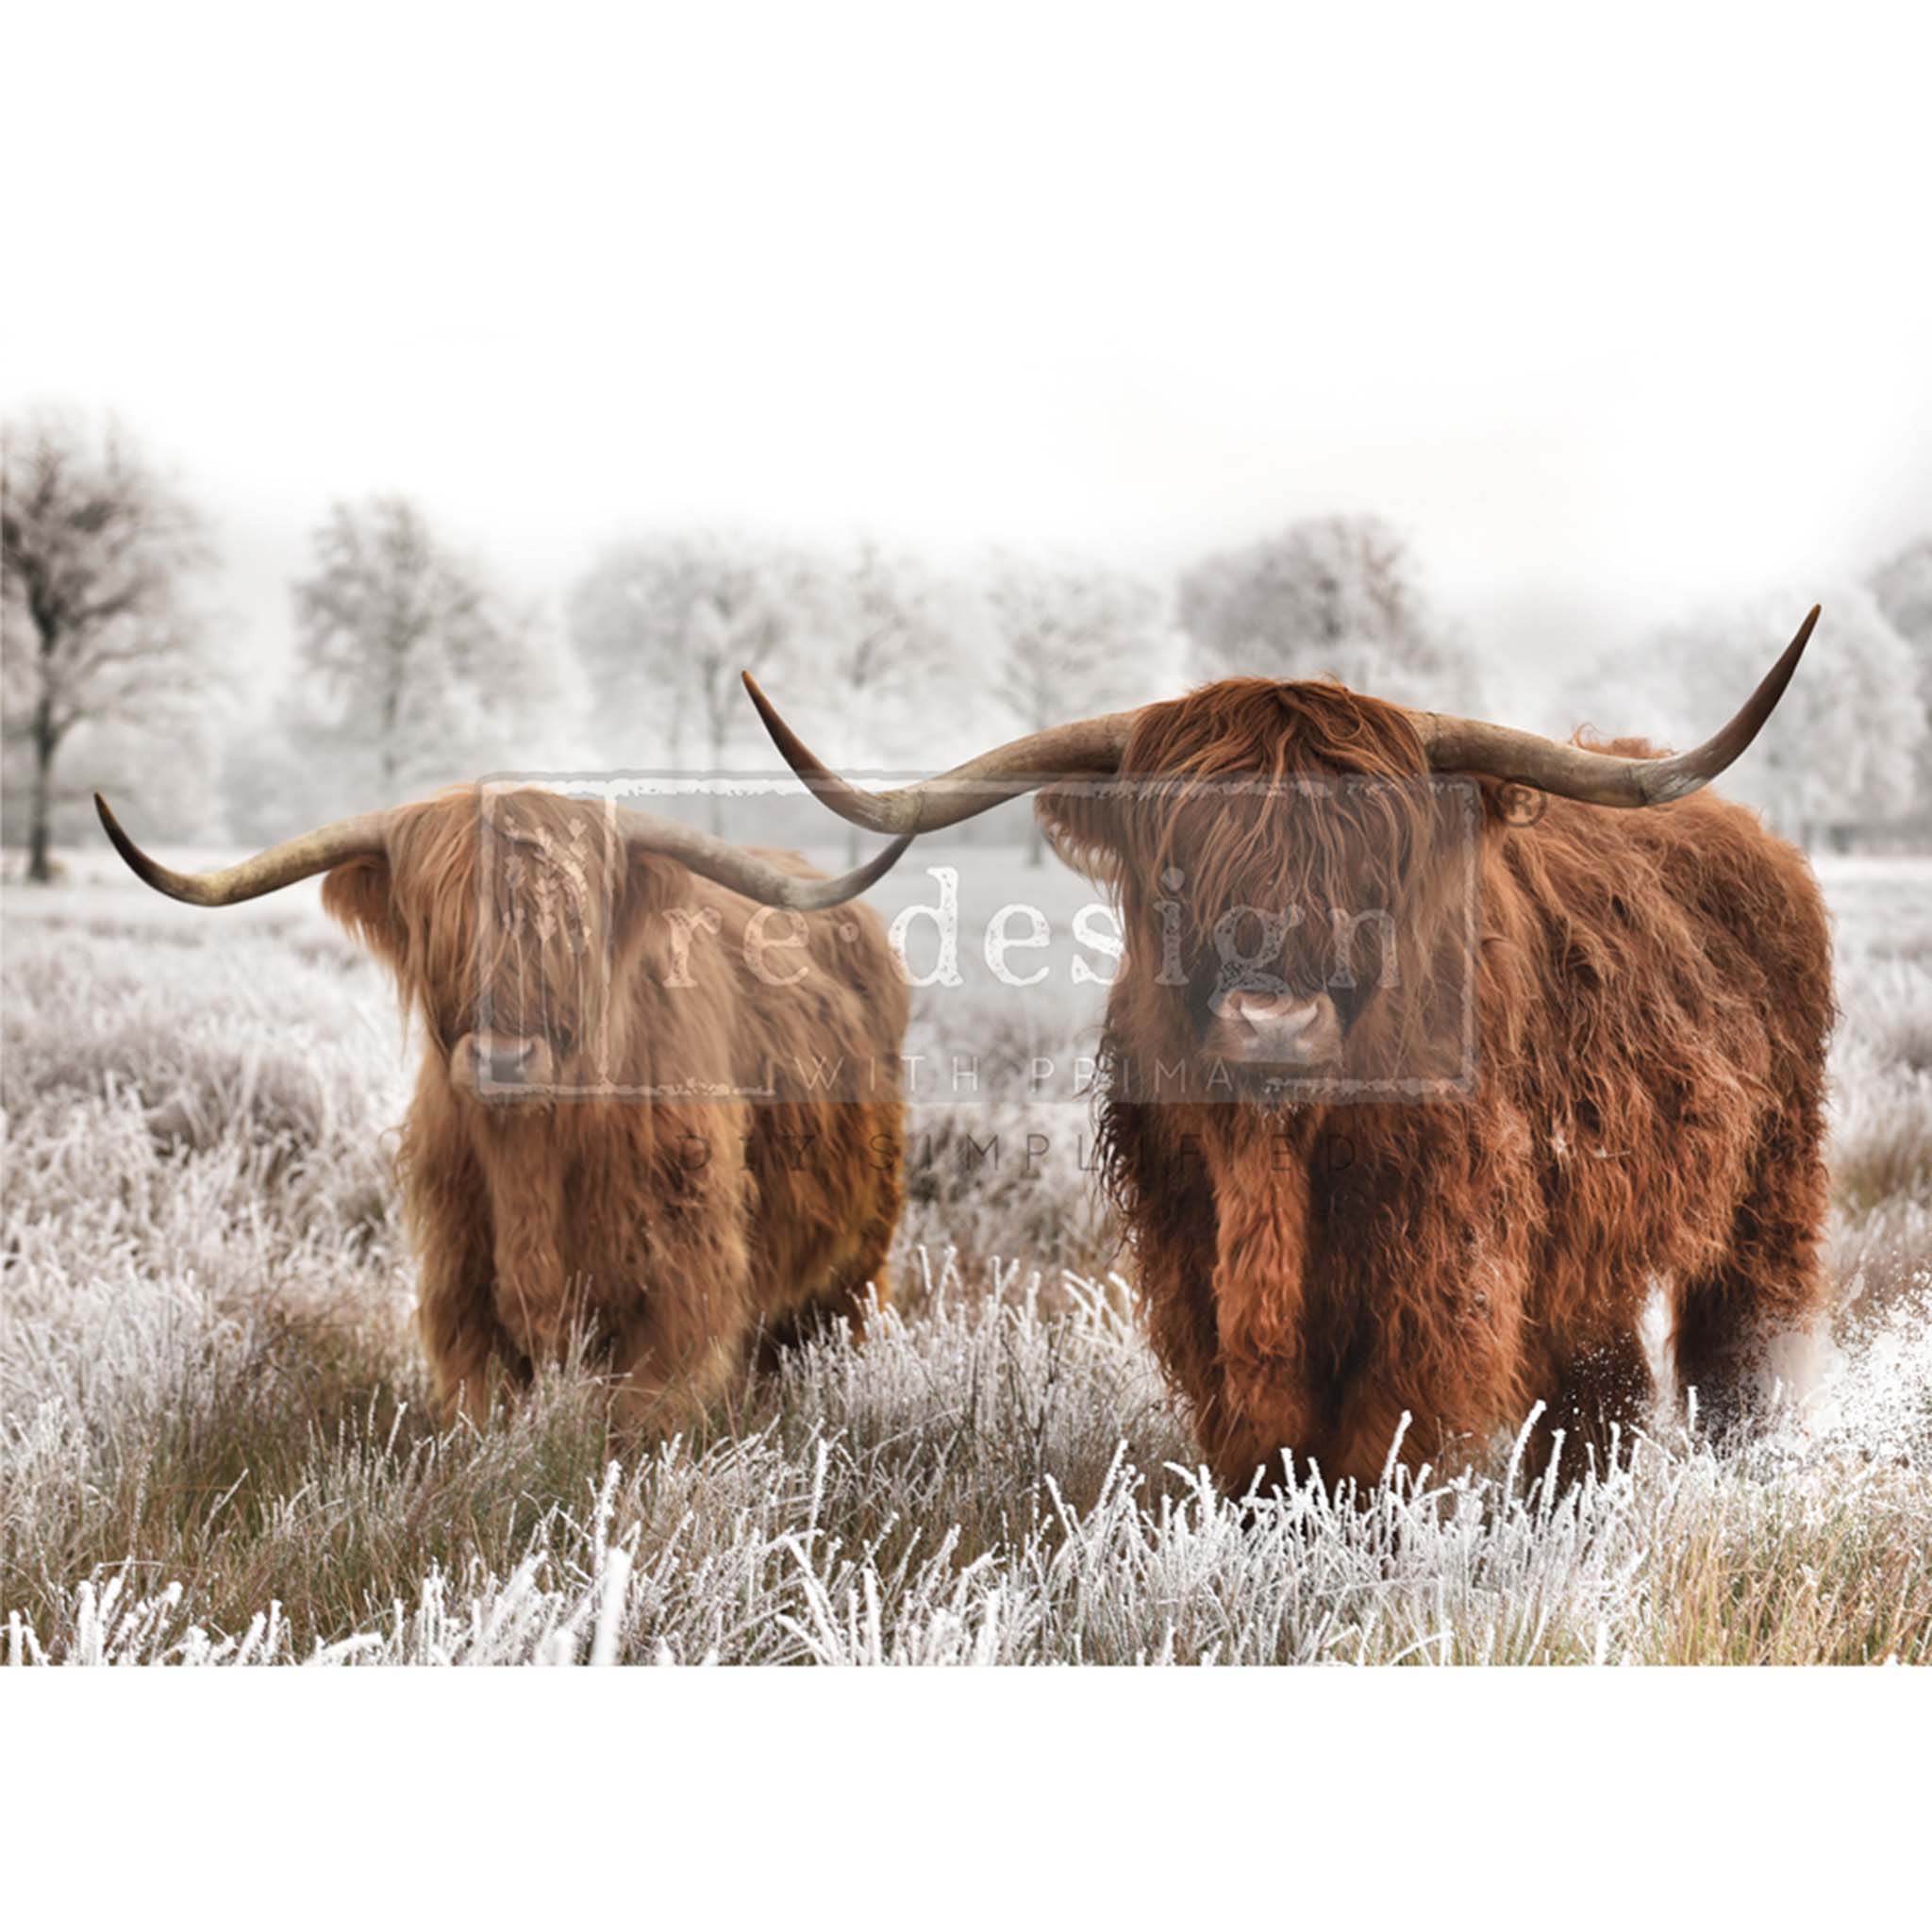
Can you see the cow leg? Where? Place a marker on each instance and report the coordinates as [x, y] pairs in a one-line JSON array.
[[456, 1311], [1425, 1392], [824, 1225], [661, 1395], [1160, 1186], [842, 1301], [683, 1337], [1601, 1397], [1176, 1304], [1769, 1284], [536, 1301], [843, 1297], [539, 1303], [866, 1266], [467, 1346], [686, 1347], [1267, 1404]]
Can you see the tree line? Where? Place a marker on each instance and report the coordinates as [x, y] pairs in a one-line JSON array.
[[417, 668]]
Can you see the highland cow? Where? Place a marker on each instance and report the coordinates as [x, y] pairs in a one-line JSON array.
[[1332, 1230], [624, 1125]]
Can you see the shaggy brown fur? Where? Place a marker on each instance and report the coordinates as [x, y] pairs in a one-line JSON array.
[[680, 1228], [1652, 1002]]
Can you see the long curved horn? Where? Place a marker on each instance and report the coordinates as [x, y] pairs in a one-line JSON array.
[[267, 871], [744, 872], [1466, 744], [1092, 747], [363, 837]]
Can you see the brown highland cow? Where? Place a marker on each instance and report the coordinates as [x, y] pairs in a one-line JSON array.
[[651, 1109], [1355, 1193]]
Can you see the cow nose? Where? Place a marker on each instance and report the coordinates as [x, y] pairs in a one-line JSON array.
[[1272, 1014], [1277, 1029], [508, 1061], [499, 1060]]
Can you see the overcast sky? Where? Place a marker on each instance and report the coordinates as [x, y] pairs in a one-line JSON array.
[[1614, 321]]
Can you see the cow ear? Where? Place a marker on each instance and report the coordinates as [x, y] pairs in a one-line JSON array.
[[1083, 824], [356, 895]]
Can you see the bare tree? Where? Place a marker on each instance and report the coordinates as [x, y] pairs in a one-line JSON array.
[[631, 662], [890, 648], [1073, 640], [96, 546], [663, 625], [1330, 595], [883, 627], [428, 663]]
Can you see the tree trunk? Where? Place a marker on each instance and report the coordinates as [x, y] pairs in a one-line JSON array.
[[386, 738], [38, 865]]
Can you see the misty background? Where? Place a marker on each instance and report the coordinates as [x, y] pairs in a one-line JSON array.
[[484, 406]]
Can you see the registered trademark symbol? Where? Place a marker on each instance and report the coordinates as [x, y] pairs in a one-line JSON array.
[[1523, 805]]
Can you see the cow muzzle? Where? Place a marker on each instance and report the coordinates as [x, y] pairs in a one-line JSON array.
[[502, 1066], [1268, 1029]]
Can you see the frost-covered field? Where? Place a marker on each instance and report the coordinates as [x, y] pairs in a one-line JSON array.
[[217, 1444]]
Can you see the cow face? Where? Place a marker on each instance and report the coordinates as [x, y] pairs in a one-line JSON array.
[[507, 916], [1282, 858]]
